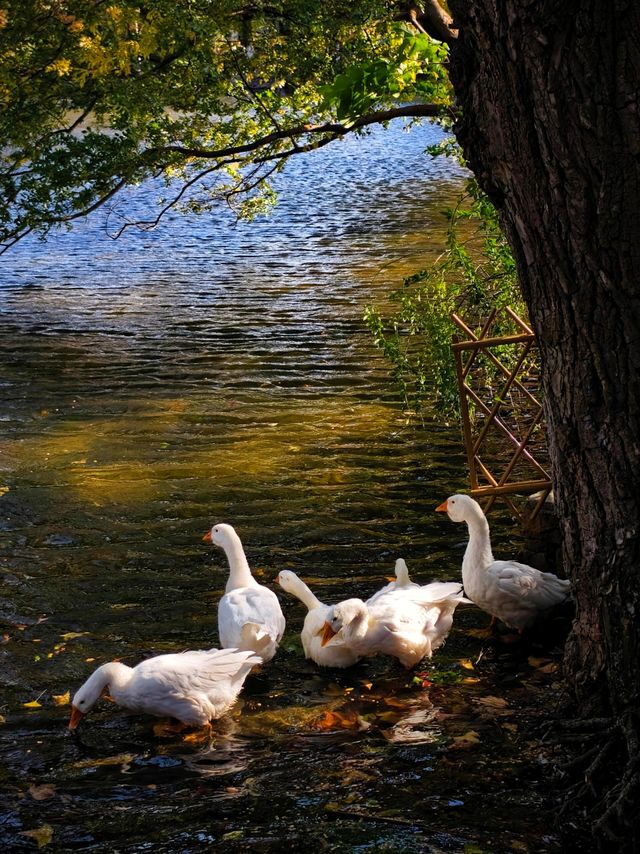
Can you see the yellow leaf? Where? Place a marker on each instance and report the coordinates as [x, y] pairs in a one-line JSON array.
[[43, 792], [33, 704], [3, 489], [463, 742], [67, 636], [197, 737], [41, 835], [332, 720], [3, 720], [61, 699], [464, 662], [470, 680]]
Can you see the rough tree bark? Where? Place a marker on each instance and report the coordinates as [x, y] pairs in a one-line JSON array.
[[550, 126]]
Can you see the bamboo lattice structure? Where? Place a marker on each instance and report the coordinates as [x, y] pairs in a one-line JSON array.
[[502, 426]]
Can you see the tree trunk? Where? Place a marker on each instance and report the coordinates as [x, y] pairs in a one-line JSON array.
[[551, 128]]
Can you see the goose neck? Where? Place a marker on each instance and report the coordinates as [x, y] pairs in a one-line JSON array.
[[478, 554], [239, 571], [119, 677], [304, 594]]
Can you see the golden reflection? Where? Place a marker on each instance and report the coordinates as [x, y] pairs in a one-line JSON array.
[[131, 458]]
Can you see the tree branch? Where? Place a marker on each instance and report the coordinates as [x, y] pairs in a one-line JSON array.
[[264, 150], [432, 19], [335, 129]]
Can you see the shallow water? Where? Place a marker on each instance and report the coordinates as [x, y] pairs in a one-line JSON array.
[[213, 371]]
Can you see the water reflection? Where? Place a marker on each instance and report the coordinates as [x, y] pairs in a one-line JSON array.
[[214, 371]]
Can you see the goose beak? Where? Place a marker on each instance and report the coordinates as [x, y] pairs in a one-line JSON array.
[[76, 717], [390, 578], [207, 537], [442, 508], [327, 634]]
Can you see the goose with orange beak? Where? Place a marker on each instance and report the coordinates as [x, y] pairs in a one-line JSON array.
[[408, 624], [314, 635], [513, 592], [195, 687], [249, 614]]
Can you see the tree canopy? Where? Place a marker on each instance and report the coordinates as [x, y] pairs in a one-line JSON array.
[[209, 97]]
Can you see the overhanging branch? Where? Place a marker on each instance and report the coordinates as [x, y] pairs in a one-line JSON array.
[[260, 151]]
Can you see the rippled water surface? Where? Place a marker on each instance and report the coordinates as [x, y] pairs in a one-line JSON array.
[[213, 371]]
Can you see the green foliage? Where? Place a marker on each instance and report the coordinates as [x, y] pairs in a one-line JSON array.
[[412, 67], [475, 274], [211, 95]]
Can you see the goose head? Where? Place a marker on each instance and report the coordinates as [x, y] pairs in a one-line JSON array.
[[401, 572], [350, 613], [88, 695], [459, 508], [288, 580], [222, 535]]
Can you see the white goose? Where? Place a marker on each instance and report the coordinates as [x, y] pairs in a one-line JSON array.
[[195, 686], [407, 624], [249, 614], [337, 653], [401, 582], [515, 593]]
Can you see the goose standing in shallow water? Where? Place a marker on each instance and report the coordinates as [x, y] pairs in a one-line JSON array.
[[195, 686], [515, 593], [337, 653], [249, 614], [408, 624]]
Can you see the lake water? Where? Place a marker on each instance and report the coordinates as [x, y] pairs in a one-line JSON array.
[[219, 371]]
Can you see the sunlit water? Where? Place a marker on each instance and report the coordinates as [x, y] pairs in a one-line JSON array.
[[214, 371]]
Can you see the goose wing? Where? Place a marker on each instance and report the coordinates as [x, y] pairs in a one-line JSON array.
[[541, 590]]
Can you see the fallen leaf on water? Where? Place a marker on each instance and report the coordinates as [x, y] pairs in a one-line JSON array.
[[67, 636], [462, 742], [367, 685], [32, 704], [41, 835], [200, 736], [470, 680], [339, 720], [3, 720], [121, 759], [61, 699], [4, 490], [43, 792], [510, 726], [464, 662], [89, 659]]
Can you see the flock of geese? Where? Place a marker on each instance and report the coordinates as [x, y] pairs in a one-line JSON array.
[[405, 620]]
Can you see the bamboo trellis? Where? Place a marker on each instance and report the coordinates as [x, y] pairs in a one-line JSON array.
[[498, 417]]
